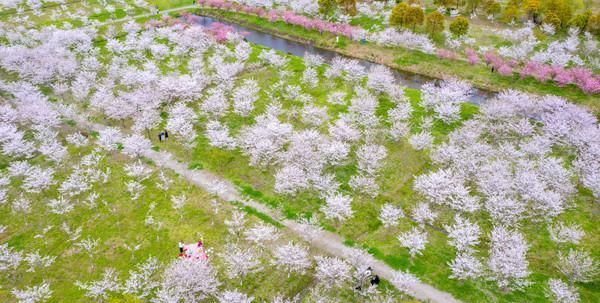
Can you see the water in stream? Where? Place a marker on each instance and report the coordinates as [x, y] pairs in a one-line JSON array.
[[299, 49]]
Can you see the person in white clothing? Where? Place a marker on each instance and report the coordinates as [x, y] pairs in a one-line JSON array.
[[181, 245]]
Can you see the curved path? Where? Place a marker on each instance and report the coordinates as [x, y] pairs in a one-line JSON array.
[[326, 241]]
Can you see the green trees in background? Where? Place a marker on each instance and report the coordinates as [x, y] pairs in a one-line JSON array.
[[472, 5], [552, 18], [327, 7], [532, 8], [593, 25], [459, 26], [404, 15], [349, 6], [445, 3], [434, 22], [561, 9], [415, 16], [558, 13], [511, 11], [399, 13], [580, 21], [492, 8]]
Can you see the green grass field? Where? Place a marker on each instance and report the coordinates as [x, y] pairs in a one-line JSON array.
[[118, 223]]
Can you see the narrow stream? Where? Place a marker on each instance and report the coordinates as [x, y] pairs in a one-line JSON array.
[[299, 49]]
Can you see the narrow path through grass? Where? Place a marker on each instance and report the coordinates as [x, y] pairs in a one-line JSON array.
[[324, 240]]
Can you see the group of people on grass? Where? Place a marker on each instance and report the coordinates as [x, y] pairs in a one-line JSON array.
[[197, 251], [164, 135], [192, 250], [367, 275]]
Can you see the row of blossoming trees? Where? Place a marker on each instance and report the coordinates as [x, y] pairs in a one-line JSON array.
[[502, 171], [579, 76], [287, 16], [66, 13]]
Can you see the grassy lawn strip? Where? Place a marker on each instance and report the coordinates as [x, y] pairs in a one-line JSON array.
[[252, 211]]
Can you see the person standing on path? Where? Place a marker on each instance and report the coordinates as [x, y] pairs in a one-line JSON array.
[[375, 280], [181, 245]]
